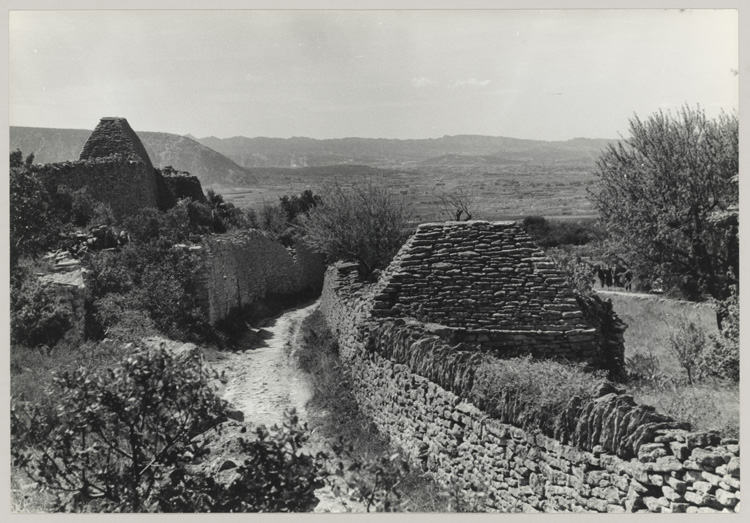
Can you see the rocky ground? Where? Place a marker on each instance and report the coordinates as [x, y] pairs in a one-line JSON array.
[[262, 382]]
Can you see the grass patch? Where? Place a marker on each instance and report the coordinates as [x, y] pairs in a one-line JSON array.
[[706, 406], [652, 324], [333, 412], [534, 394], [652, 320]]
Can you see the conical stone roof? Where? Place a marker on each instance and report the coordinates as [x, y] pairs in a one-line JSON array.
[[114, 136]]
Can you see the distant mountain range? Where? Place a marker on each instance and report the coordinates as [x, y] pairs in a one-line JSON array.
[[449, 150], [182, 153], [239, 161]]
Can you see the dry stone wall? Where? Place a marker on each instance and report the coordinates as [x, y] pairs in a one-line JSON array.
[[185, 186], [126, 185], [619, 457], [247, 266]]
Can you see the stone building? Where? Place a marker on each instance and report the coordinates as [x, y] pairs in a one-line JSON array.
[[488, 283]]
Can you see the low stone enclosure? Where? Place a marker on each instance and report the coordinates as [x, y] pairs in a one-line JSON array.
[[414, 379]]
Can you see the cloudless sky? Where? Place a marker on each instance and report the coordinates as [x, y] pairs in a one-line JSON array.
[[551, 75]]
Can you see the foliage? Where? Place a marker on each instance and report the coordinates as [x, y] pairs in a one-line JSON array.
[[533, 394], [644, 367], [33, 228], [375, 483], [688, 343], [37, 314], [276, 475], [659, 191], [115, 434], [548, 233], [272, 219], [723, 351], [363, 223], [225, 214], [457, 205], [295, 205], [706, 406], [146, 286]]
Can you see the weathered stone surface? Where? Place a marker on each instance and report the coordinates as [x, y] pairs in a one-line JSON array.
[[245, 267], [413, 384], [113, 136]]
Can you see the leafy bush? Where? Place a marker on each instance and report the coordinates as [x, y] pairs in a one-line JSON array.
[[153, 281], [556, 233], [722, 354], [116, 434], [644, 367], [275, 476], [364, 224], [688, 344], [33, 226], [295, 205], [38, 316]]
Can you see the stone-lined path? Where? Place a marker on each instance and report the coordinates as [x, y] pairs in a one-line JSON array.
[[262, 382]]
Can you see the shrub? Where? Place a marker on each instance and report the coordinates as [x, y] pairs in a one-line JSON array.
[[275, 476], [38, 316], [644, 367], [363, 224], [722, 354], [688, 344], [116, 433], [557, 233], [33, 227]]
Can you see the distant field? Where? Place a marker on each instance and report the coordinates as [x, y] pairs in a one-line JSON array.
[[501, 191]]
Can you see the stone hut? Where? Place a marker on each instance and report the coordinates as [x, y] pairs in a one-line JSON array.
[[488, 284], [114, 136], [116, 169]]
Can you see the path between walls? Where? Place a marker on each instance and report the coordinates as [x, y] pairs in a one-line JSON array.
[[264, 382]]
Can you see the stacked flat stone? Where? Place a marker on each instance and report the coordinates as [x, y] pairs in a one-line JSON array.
[[490, 284], [115, 169], [245, 267], [113, 136], [617, 457]]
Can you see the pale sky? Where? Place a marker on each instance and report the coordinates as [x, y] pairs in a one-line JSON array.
[[551, 75]]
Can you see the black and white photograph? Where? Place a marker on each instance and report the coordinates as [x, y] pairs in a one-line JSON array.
[[408, 259]]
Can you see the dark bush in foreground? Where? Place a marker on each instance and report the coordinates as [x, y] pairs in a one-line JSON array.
[[116, 435], [38, 316]]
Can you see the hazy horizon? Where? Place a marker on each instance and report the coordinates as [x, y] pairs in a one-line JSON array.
[[551, 75]]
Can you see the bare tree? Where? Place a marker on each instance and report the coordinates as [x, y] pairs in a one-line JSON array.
[[458, 205]]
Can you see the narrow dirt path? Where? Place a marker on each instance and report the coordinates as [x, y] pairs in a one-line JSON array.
[[262, 381]]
